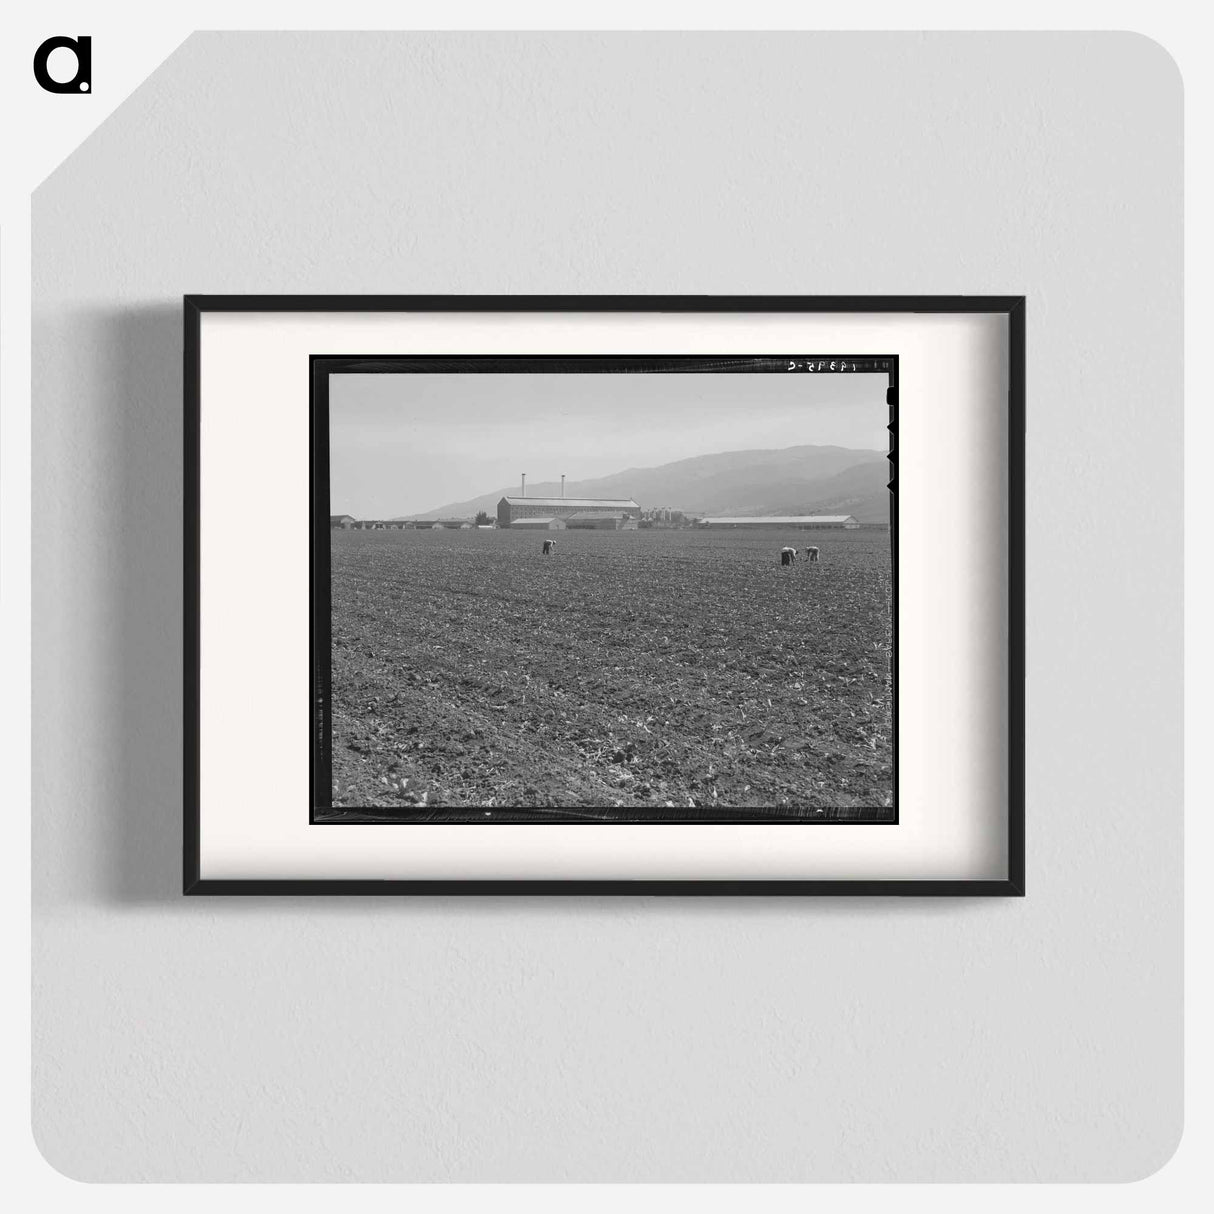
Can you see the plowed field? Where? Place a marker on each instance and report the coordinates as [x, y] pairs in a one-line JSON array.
[[631, 674]]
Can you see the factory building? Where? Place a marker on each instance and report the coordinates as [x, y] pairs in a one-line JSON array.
[[809, 522], [601, 520], [540, 523], [511, 510]]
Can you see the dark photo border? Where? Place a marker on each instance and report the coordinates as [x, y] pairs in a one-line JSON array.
[[321, 809], [1012, 307]]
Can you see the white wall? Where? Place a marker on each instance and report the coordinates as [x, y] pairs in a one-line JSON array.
[[624, 1039]]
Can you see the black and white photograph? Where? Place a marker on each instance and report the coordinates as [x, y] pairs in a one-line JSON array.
[[604, 589]]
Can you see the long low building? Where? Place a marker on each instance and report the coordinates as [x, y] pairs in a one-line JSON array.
[[802, 521], [511, 510], [601, 520], [543, 523]]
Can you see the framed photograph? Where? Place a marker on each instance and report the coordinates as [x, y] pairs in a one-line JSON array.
[[686, 595]]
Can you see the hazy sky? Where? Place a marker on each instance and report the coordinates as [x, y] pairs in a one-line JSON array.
[[406, 444]]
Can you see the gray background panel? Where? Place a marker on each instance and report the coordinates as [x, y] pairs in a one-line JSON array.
[[627, 1039]]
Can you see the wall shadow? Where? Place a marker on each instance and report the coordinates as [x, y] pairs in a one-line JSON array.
[[140, 395]]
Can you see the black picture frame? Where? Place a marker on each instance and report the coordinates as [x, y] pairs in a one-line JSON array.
[[1011, 307]]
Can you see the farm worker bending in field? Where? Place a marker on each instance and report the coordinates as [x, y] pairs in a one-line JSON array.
[[811, 555], [548, 547], [788, 556]]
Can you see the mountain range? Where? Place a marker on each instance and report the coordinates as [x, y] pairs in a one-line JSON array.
[[794, 480]]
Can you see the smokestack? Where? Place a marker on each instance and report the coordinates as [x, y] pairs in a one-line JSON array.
[[524, 484], [562, 484]]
